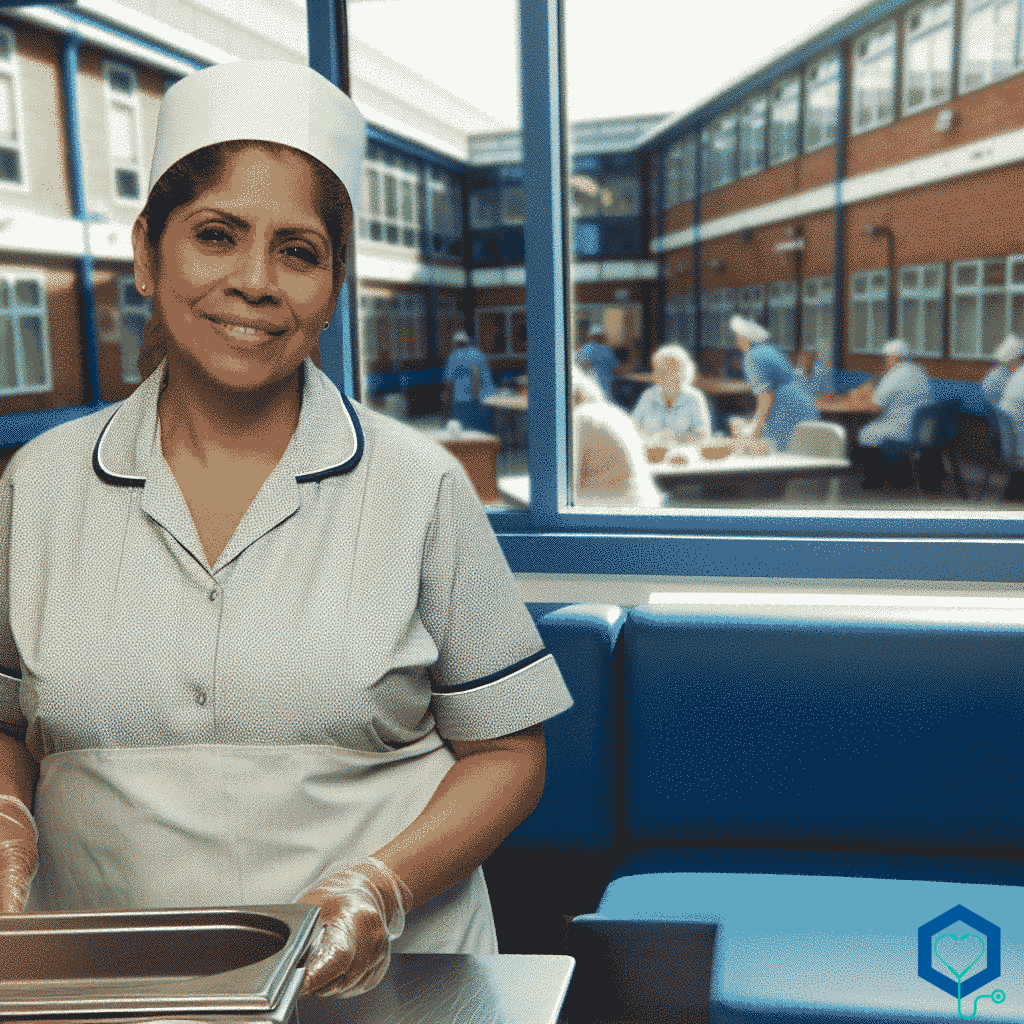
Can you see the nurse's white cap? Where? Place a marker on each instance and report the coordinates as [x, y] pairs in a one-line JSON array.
[[268, 100], [749, 329], [896, 347], [1011, 348], [460, 338]]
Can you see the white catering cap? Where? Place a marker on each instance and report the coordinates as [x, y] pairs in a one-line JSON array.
[[748, 329], [268, 100], [1011, 348], [896, 347], [461, 338]]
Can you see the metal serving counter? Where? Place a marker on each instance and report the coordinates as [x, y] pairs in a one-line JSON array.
[[453, 988]]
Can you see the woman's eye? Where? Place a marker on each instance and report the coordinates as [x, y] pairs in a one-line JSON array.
[[213, 234], [304, 253]]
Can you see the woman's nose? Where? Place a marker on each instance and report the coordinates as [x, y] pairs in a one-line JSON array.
[[252, 273]]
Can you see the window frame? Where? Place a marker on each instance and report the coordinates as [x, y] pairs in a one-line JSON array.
[[873, 293], [113, 97], [550, 539], [807, 91], [15, 310], [756, 166], [1016, 63], [711, 132], [683, 309], [980, 289], [779, 87], [824, 294], [9, 69], [378, 164], [685, 156], [891, 53], [922, 294], [928, 103]]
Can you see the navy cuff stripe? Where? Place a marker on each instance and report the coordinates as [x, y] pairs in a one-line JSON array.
[[475, 684]]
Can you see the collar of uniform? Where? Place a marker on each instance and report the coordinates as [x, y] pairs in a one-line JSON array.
[[328, 440]]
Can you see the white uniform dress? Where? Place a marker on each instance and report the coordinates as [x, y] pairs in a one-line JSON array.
[[230, 735], [903, 390], [995, 382]]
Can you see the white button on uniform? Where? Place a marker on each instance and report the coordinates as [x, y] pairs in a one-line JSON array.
[[201, 698], [214, 594]]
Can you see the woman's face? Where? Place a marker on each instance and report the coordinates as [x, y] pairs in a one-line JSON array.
[[243, 281], [666, 373]]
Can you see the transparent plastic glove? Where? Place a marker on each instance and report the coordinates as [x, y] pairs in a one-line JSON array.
[[19, 854], [353, 950]]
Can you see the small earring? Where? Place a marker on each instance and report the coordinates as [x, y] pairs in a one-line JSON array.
[[327, 324], [142, 287]]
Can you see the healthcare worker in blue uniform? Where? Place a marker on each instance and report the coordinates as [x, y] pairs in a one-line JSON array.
[[597, 359], [1010, 354], [781, 402], [468, 381], [258, 643], [903, 389]]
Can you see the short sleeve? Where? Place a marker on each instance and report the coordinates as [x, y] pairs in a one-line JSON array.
[[763, 371], [493, 676], [12, 722]]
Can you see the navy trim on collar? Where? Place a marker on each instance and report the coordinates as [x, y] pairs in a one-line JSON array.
[[475, 684], [349, 464], [105, 474]]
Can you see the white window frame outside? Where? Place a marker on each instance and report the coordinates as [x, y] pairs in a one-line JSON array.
[[130, 103], [821, 77], [875, 294], [976, 9], [15, 140], [752, 147], [924, 293], [718, 129], [775, 96], [679, 326], [930, 28], [126, 307], [679, 168], [1010, 294], [406, 179], [717, 305], [866, 63], [819, 310], [14, 311]]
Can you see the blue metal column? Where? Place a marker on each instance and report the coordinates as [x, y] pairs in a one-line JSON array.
[[76, 181], [328, 54], [546, 247]]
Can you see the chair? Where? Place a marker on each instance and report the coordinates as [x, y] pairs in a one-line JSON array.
[[1005, 444], [934, 428], [822, 440]]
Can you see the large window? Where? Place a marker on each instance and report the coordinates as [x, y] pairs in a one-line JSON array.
[[821, 102], [680, 172], [391, 199], [784, 121], [780, 318], [394, 329], [818, 313], [874, 79], [990, 42], [716, 307], [987, 304], [445, 193], [12, 136], [922, 293], [718, 153], [24, 336], [123, 138], [869, 311], [752, 132], [680, 321], [927, 55]]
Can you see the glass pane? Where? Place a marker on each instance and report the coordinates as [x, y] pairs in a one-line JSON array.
[[1017, 323], [5, 295], [122, 134], [752, 126], [8, 367], [512, 204], [965, 342], [390, 197], [967, 275], [993, 322], [27, 293], [372, 191], [933, 327], [32, 355], [784, 109], [910, 326]]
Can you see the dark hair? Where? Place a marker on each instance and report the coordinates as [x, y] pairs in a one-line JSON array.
[[187, 179]]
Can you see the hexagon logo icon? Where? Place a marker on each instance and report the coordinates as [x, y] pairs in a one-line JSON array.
[[959, 954]]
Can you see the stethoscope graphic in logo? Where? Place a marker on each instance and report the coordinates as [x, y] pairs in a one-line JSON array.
[[959, 954]]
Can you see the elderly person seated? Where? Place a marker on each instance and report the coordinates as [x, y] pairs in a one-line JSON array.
[[609, 467], [903, 389], [1011, 357], [672, 411], [1012, 403]]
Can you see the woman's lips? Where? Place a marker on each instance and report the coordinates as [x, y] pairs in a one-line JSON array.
[[237, 332]]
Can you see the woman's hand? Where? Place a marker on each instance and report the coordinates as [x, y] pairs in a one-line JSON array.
[[362, 910], [19, 855]]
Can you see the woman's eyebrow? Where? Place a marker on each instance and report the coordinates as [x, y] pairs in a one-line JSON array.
[[243, 225]]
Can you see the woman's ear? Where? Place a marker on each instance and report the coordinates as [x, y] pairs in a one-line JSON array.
[[144, 278]]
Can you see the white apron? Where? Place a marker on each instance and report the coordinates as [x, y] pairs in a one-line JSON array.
[[236, 825]]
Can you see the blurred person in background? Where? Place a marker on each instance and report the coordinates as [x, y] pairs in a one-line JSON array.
[[903, 389], [467, 382], [672, 411], [1012, 403], [815, 380], [597, 359], [1011, 357]]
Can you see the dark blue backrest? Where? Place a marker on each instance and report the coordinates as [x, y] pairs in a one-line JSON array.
[[790, 732], [578, 809]]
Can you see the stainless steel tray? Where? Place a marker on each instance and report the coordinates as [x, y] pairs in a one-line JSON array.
[[218, 960]]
